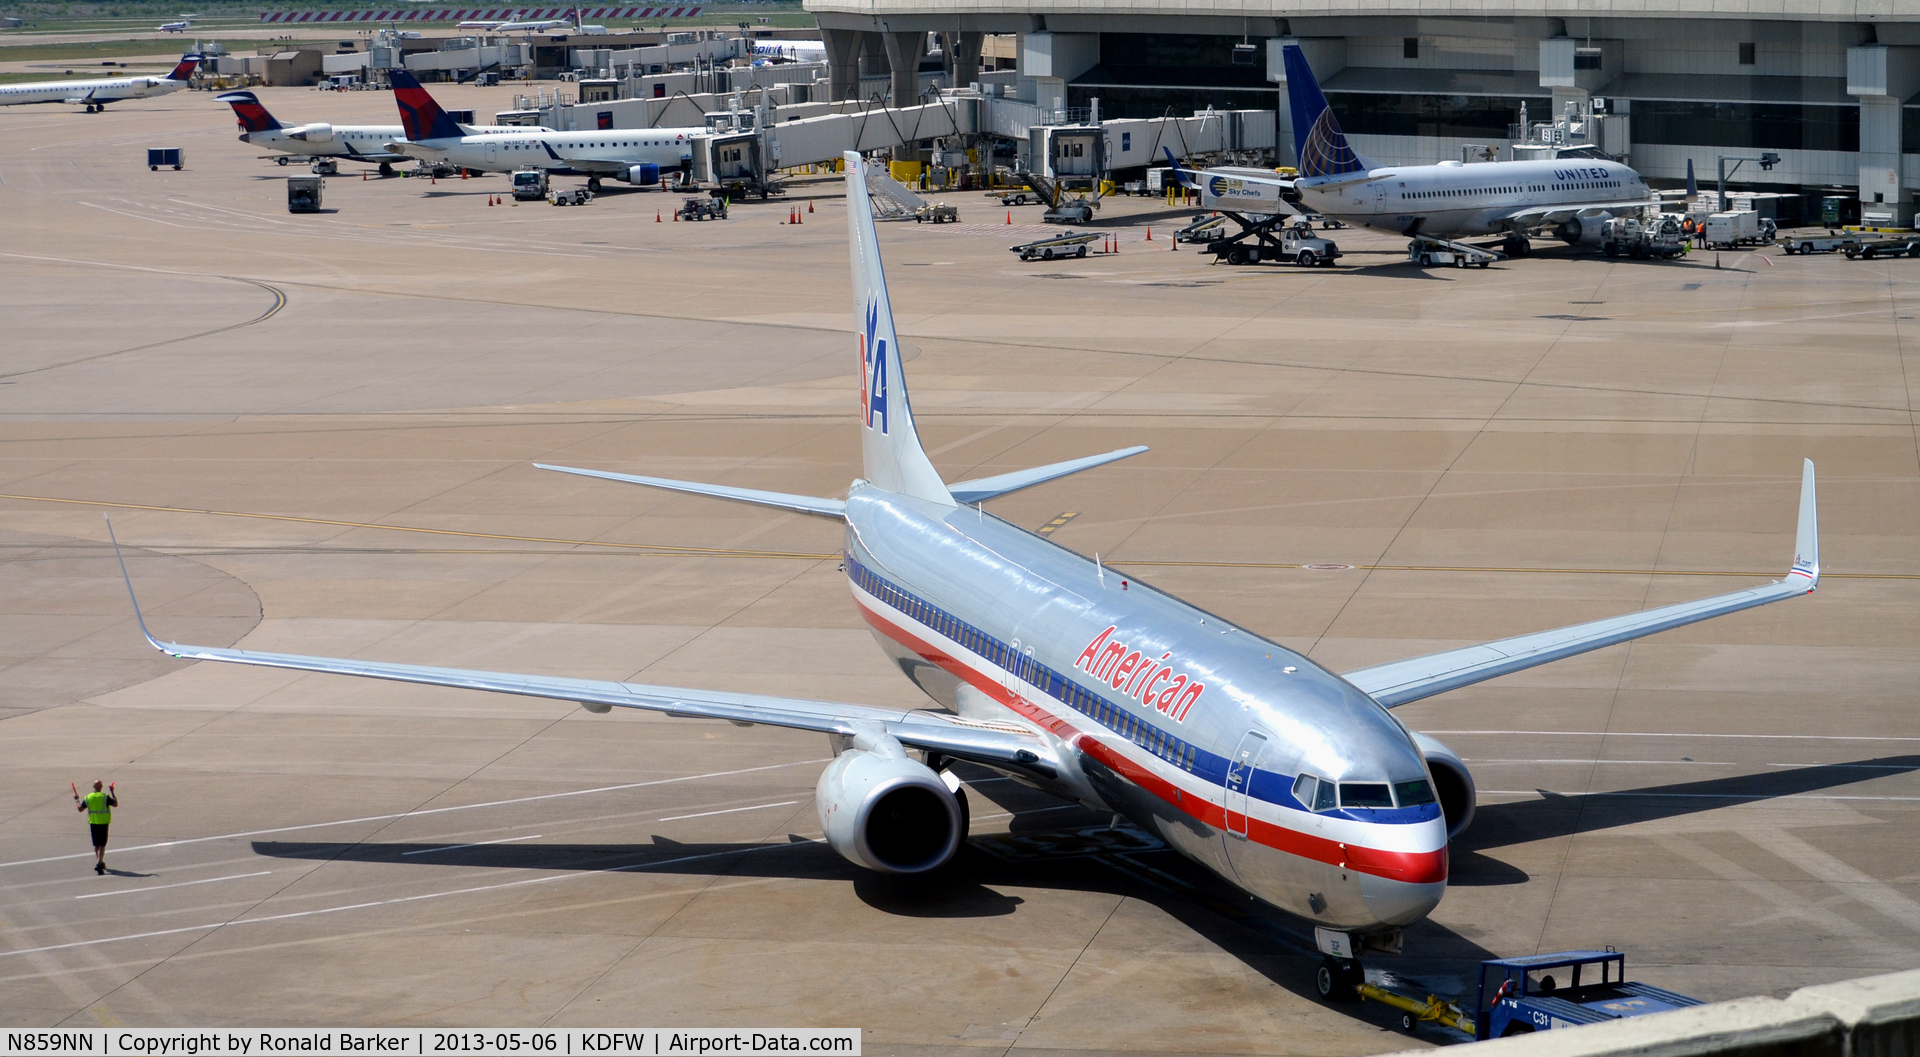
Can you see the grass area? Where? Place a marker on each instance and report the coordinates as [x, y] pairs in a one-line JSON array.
[[89, 54]]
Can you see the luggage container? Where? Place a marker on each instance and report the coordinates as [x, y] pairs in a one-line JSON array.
[[304, 193], [158, 156]]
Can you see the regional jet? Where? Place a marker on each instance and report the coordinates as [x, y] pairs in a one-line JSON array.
[[783, 51], [1291, 781], [96, 94], [635, 155], [361, 143], [1572, 197], [176, 27]]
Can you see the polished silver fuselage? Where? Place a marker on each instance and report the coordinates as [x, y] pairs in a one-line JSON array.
[[990, 619]]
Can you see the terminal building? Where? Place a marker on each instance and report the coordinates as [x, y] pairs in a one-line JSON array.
[[1832, 87]]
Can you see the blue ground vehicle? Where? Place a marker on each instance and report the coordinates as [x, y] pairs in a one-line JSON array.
[[1546, 991]]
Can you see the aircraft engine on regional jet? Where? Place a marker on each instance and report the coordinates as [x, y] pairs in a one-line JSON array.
[[1452, 783], [646, 174], [884, 810], [1582, 231], [319, 132]]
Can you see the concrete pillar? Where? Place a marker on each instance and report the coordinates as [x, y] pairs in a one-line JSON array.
[[843, 63], [963, 57], [873, 55], [1881, 78], [904, 52]]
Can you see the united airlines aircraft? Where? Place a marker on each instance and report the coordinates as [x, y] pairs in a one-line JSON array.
[[634, 155], [1570, 197], [96, 94], [1291, 781]]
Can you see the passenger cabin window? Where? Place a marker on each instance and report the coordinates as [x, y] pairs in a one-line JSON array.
[[1365, 794]]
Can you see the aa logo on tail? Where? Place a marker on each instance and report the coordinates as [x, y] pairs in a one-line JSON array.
[[873, 370]]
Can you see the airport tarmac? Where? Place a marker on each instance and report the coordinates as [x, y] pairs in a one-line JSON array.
[[315, 434]]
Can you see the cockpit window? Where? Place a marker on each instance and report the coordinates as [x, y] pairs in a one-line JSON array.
[[1365, 794], [1414, 793], [1323, 797], [1303, 789]]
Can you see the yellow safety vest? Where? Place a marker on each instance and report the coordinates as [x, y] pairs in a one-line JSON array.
[[98, 813]]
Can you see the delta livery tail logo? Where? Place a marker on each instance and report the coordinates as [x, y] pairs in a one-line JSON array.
[[251, 115], [1139, 676], [420, 117], [873, 369], [188, 63]]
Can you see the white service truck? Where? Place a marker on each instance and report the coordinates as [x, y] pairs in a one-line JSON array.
[[529, 185], [1297, 245], [1740, 228]]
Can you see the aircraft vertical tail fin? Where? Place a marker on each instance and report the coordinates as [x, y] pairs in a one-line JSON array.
[[1321, 146], [252, 116], [420, 117], [184, 71], [1693, 186], [889, 447]]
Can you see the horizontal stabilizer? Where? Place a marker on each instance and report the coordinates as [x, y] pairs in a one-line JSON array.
[[992, 487], [1411, 680], [805, 504]]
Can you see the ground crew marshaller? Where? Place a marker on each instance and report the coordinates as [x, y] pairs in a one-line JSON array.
[[99, 808]]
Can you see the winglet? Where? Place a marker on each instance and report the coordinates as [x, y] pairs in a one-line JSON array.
[[1806, 543], [137, 618], [1183, 177]]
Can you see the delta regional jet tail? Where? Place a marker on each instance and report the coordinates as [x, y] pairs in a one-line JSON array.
[[1570, 198], [363, 143], [96, 94], [1288, 780], [639, 156]]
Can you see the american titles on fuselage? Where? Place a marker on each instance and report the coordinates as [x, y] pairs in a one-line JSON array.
[[1138, 675]]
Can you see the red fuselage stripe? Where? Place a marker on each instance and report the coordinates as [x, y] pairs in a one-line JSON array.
[[1412, 867]]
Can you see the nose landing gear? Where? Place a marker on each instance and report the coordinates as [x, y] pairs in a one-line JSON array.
[[1339, 979]]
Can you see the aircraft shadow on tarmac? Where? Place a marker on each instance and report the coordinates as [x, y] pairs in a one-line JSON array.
[[1562, 815], [1078, 850]]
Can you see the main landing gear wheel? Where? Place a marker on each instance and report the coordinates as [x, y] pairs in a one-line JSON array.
[[386, 169], [1338, 979], [593, 184]]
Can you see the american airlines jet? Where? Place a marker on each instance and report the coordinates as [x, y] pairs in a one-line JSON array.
[[633, 155], [361, 143], [1572, 197], [1291, 781], [96, 94]]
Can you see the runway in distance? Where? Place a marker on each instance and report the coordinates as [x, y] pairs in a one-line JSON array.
[[635, 155], [96, 94], [1571, 198], [361, 143], [1286, 779]]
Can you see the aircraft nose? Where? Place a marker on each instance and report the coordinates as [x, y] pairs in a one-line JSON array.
[[1400, 902]]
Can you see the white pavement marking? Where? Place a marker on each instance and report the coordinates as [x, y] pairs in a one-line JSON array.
[[1660, 734], [414, 814], [728, 811], [1858, 884], [390, 902], [475, 844], [182, 884], [1583, 763]]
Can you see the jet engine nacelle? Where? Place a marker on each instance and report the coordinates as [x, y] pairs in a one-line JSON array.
[[1452, 783], [646, 174], [315, 133], [886, 811], [1583, 231]]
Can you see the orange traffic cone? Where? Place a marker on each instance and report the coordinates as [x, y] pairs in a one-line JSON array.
[[797, 218], [1149, 232], [1009, 216], [656, 216], [463, 174], [810, 209]]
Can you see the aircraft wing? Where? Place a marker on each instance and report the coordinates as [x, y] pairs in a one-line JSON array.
[[999, 745], [1410, 680], [1537, 216], [410, 149], [985, 488]]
